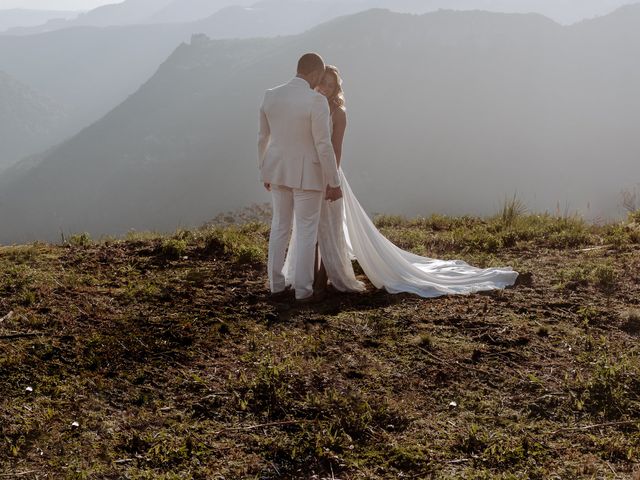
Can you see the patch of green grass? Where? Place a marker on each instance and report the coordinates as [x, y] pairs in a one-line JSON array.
[[572, 238], [423, 340], [142, 290], [588, 314], [270, 391], [610, 389], [22, 254], [80, 240], [634, 216], [602, 275], [510, 228], [617, 235], [24, 283], [246, 244], [605, 277], [476, 240], [579, 275], [144, 236], [386, 221], [498, 450], [174, 248]]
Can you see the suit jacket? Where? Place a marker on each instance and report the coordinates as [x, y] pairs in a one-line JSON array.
[[294, 143]]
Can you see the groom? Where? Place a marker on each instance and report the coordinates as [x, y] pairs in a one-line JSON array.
[[298, 166]]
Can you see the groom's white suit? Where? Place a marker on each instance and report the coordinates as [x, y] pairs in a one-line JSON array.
[[296, 157]]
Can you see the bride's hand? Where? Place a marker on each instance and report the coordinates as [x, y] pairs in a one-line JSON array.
[[333, 193]]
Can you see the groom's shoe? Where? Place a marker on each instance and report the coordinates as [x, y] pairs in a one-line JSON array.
[[283, 296]]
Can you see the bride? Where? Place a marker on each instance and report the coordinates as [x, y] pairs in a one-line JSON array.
[[346, 232]]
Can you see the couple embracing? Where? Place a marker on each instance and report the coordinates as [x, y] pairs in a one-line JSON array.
[[302, 126]]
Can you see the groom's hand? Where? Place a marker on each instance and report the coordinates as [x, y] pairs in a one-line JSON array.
[[333, 193], [267, 186]]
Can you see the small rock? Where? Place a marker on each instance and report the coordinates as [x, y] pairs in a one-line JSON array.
[[28, 389], [453, 404], [75, 424], [525, 279]]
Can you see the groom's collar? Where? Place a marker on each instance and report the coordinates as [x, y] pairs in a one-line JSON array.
[[300, 81]]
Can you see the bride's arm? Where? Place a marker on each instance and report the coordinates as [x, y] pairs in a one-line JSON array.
[[339, 126]]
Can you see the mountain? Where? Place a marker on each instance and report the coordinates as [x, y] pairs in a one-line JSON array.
[[192, 10], [28, 120], [130, 12], [136, 12], [561, 11], [274, 17], [89, 69], [19, 17], [458, 109], [92, 69]]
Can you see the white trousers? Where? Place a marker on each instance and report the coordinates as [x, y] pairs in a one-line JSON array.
[[305, 205]]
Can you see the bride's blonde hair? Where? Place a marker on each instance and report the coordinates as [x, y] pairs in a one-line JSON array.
[[337, 97]]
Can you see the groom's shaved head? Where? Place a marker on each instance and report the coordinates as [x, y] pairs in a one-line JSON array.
[[310, 63]]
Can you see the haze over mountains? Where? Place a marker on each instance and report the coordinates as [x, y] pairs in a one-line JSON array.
[[29, 121], [458, 109], [92, 67], [130, 12], [139, 12], [113, 49], [89, 70], [21, 18]]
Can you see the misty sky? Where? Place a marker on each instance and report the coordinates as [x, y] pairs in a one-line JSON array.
[[54, 4], [565, 9]]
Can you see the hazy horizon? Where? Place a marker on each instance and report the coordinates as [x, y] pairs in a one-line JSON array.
[[497, 103], [107, 118], [561, 11], [79, 5]]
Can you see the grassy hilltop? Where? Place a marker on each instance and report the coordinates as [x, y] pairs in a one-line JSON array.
[[159, 357]]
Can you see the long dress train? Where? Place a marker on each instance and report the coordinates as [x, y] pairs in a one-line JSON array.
[[386, 265]]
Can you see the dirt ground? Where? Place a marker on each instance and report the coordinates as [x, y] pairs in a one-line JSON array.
[[147, 359]]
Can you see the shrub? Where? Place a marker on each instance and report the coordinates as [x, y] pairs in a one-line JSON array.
[[246, 244], [617, 236], [80, 240], [509, 239], [607, 392], [382, 221], [571, 238], [174, 248], [512, 209], [605, 277]]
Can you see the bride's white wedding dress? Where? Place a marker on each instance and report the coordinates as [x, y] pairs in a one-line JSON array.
[[346, 232]]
